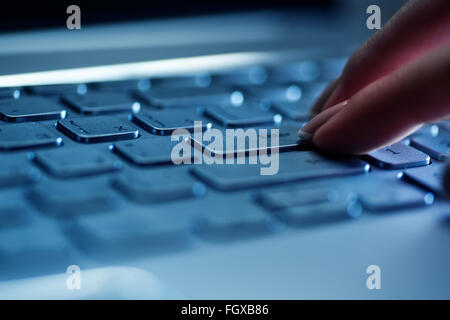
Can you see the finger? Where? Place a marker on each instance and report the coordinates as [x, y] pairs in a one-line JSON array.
[[418, 27], [390, 108], [317, 106]]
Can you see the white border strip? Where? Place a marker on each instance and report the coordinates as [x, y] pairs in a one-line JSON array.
[[137, 69]]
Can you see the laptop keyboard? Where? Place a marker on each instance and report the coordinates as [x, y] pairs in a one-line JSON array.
[[86, 169]]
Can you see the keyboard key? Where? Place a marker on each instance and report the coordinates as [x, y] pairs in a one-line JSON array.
[[274, 93], [225, 223], [30, 109], [396, 197], [437, 147], [429, 177], [333, 67], [398, 156], [76, 162], [287, 140], [97, 129], [58, 89], [122, 85], [95, 103], [188, 97], [127, 233], [248, 114], [293, 166], [293, 110], [164, 122], [17, 170], [158, 185], [14, 93], [67, 199], [26, 135], [152, 150]]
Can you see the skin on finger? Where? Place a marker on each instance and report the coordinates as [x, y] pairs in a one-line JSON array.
[[320, 119], [317, 106], [391, 107], [418, 27]]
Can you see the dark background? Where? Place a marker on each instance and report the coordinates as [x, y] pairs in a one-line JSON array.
[[20, 15]]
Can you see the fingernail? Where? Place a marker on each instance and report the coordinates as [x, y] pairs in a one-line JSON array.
[[307, 131]]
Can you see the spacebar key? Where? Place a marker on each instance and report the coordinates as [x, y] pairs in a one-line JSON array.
[[292, 166]]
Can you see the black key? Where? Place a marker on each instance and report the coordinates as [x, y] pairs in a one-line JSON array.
[[445, 125], [304, 207], [388, 198], [97, 129], [67, 199], [287, 140], [271, 93], [248, 114], [10, 93], [226, 223], [293, 166], [122, 85], [437, 147], [164, 122], [13, 217], [30, 109], [75, 162], [294, 110], [333, 67], [429, 177], [398, 156], [126, 233], [152, 150], [158, 185], [27, 135], [17, 170], [94, 103], [190, 97], [58, 89]]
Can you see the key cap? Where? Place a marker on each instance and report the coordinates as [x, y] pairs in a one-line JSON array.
[[188, 97], [152, 150], [287, 140], [398, 156], [248, 114], [95, 103], [158, 185], [127, 233], [225, 223], [274, 93], [333, 67], [97, 129], [293, 110], [76, 162], [164, 122], [10, 93], [293, 166], [58, 89], [27, 135], [17, 170], [437, 147], [30, 109], [122, 85], [429, 177], [12, 216], [32, 250], [387, 198], [67, 199]]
